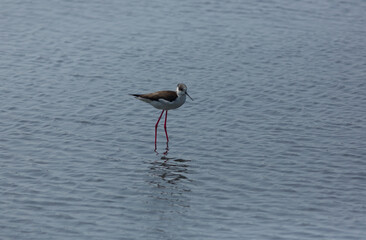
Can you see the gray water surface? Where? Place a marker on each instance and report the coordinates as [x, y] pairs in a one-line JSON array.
[[272, 147]]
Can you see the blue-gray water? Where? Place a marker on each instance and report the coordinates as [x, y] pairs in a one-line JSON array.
[[272, 147]]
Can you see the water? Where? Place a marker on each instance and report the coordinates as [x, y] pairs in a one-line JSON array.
[[272, 147]]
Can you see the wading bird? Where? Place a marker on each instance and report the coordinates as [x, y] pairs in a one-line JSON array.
[[165, 100]]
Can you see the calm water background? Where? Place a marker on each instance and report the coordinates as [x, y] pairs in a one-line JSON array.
[[272, 147]]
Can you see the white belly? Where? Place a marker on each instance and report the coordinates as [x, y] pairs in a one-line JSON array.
[[166, 105]]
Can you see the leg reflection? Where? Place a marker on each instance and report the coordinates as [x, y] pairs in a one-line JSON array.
[[166, 150]]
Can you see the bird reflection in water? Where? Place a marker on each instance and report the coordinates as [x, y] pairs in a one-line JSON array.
[[171, 170], [169, 195], [168, 179]]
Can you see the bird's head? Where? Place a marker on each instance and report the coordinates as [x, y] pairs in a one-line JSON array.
[[182, 90]]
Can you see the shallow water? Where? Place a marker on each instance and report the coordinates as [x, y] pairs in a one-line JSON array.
[[272, 147]]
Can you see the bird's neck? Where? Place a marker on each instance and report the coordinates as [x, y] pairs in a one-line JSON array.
[[180, 93]]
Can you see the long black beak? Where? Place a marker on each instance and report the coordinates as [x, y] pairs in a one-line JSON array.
[[189, 96]]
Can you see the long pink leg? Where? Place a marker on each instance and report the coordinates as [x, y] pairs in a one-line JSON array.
[[166, 133], [156, 127]]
